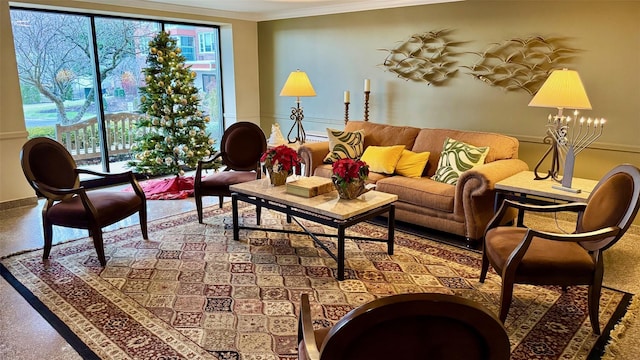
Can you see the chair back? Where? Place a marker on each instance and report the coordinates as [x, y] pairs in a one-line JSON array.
[[613, 202], [242, 145], [417, 326], [46, 161]]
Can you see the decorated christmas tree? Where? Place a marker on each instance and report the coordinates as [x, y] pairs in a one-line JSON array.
[[170, 136]]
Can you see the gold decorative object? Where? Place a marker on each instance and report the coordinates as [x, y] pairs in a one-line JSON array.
[[278, 178], [351, 190], [520, 64], [423, 57]]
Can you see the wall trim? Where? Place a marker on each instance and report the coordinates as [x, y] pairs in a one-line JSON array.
[[11, 204], [14, 135], [596, 145]]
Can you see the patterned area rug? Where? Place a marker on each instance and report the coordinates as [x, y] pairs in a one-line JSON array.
[[192, 292]]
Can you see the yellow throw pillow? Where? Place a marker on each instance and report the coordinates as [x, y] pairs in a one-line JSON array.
[[412, 164], [382, 159]]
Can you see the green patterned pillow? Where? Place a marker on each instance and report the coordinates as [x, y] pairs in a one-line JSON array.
[[457, 157], [344, 145]]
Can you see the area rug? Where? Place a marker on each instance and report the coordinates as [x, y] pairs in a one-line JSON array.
[[192, 292]]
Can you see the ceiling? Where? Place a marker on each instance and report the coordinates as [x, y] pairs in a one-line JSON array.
[[261, 10]]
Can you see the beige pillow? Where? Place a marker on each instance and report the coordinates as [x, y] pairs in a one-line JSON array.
[[382, 159], [456, 158], [344, 145], [412, 164]]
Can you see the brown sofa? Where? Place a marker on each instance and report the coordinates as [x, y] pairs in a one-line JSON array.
[[463, 209]]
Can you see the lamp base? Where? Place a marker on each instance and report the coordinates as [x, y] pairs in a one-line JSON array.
[[564, 188], [297, 116]]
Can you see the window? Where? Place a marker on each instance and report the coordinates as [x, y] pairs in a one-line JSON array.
[[207, 42], [186, 44], [60, 81]]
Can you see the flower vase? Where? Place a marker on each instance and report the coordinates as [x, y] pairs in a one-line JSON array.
[[351, 190], [278, 178]]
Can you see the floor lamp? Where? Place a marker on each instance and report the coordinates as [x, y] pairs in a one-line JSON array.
[[297, 85], [564, 90]]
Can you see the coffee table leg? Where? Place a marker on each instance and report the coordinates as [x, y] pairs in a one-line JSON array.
[[234, 211], [341, 252], [391, 227]]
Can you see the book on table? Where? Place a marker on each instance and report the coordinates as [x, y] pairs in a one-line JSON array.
[[310, 186]]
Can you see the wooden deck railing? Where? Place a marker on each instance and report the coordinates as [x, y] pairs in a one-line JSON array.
[[82, 139]]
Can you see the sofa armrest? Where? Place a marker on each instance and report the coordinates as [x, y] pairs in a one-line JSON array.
[[312, 155], [475, 192]]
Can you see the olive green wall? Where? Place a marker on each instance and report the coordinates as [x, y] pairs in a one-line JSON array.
[[339, 51]]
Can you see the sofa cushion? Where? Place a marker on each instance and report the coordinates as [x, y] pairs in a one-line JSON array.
[[422, 192], [384, 135], [344, 145], [412, 164], [501, 146], [456, 158], [382, 159]]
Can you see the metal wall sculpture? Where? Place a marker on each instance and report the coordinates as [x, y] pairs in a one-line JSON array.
[[520, 64], [425, 57], [514, 64]]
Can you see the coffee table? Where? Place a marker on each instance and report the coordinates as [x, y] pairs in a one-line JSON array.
[[326, 209]]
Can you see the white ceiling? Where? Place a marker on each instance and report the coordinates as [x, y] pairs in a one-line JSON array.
[[260, 10]]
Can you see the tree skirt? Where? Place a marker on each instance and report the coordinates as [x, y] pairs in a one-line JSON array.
[[179, 187], [192, 292]]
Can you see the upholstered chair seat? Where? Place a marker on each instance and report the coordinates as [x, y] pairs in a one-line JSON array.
[[546, 262]]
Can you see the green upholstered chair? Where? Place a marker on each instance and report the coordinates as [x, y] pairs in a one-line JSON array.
[[529, 256], [408, 327]]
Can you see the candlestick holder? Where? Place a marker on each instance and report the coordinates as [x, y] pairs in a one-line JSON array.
[[346, 112], [571, 137], [366, 105]]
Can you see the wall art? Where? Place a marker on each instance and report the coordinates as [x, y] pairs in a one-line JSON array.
[[520, 63], [425, 57]]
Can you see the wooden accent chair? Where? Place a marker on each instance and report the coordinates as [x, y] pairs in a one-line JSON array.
[[241, 147], [52, 172], [406, 326], [528, 256]]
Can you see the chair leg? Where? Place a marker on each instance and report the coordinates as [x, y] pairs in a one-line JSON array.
[[143, 222], [198, 198], [48, 238], [505, 298], [595, 290], [220, 201], [99, 245], [485, 266]]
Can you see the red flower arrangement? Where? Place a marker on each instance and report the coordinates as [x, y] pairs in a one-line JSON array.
[[346, 171], [280, 158]]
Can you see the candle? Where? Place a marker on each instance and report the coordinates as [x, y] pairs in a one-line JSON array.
[[367, 85], [347, 96]]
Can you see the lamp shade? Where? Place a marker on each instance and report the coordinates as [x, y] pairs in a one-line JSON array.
[[563, 90], [297, 84]]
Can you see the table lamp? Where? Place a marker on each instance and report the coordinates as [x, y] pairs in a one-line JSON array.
[[563, 89], [297, 85]]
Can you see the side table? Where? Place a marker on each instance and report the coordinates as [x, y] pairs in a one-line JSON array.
[[524, 188]]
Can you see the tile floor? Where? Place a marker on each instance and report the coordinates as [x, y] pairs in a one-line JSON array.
[[24, 334]]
